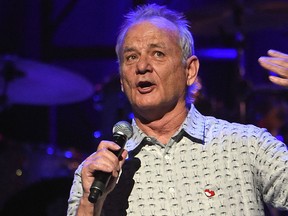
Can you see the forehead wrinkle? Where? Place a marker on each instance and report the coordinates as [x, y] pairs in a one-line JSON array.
[[156, 45], [146, 42], [151, 45]]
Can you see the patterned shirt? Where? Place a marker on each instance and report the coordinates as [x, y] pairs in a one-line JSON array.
[[210, 167]]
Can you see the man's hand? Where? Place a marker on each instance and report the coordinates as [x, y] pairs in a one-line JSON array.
[[102, 160], [276, 62]]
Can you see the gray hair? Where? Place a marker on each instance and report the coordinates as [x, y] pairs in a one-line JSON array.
[[150, 11]]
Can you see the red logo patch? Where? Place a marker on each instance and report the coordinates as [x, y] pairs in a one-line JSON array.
[[209, 193]]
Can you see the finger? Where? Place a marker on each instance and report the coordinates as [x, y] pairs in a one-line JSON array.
[[112, 152], [104, 160], [102, 146], [274, 65], [101, 163], [108, 145], [123, 157], [105, 147], [275, 53], [279, 81], [282, 62]]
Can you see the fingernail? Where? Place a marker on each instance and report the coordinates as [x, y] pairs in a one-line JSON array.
[[271, 51]]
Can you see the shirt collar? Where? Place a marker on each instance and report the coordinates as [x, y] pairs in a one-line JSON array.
[[192, 128], [137, 137]]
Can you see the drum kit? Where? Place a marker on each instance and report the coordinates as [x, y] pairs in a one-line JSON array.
[[33, 83]]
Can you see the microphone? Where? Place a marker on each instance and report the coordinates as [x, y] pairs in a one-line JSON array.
[[122, 131]]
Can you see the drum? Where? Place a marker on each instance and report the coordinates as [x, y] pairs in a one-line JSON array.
[[48, 161], [26, 164]]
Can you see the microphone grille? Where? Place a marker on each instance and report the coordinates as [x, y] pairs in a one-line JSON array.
[[124, 128]]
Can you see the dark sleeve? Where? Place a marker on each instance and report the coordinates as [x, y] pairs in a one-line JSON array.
[[116, 202]]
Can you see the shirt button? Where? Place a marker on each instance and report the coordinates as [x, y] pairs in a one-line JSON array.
[[171, 190], [148, 139], [167, 157]]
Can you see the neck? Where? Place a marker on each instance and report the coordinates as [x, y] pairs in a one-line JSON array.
[[165, 127]]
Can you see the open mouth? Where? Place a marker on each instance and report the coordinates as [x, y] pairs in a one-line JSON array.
[[144, 84]]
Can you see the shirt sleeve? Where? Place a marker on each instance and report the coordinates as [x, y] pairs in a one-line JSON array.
[[76, 193], [272, 163]]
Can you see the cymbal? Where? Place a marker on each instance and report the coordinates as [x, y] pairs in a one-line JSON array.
[[29, 82], [245, 17]]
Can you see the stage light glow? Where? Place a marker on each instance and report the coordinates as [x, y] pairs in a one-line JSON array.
[[97, 134]]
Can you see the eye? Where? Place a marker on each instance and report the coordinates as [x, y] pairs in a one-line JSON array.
[[130, 58], [158, 54]]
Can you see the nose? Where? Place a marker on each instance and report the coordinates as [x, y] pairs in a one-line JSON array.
[[143, 65]]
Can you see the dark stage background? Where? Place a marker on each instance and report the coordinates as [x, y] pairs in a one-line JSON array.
[[60, 92]]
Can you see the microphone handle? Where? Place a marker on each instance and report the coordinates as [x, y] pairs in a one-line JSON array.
[[102, 178]]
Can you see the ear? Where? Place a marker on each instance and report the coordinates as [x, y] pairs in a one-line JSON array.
[[192, 67]]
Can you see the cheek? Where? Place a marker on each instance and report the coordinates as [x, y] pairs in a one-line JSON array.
[[176, 77], [177, 82]]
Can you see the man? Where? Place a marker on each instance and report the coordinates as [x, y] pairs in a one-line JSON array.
[[178, 162]]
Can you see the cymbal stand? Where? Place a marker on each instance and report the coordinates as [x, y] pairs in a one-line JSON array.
[[238, 10]]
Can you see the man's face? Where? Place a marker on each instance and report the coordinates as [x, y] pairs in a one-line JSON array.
[[153, 75]]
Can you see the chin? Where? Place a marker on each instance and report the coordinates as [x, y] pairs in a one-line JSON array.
[[147, 103], [140, 108]]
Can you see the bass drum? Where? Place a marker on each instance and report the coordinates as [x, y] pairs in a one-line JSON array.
[[47, 161]]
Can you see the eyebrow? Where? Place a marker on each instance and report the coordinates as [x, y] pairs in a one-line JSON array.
[[128, 49]]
